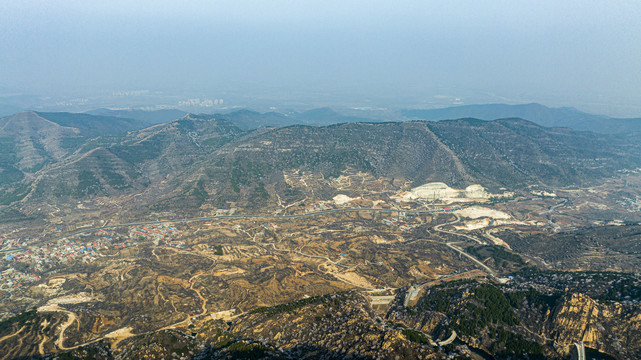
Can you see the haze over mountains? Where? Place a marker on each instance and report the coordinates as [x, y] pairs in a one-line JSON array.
[[320, 180], [148, 117], [537, 113], [542, 115]]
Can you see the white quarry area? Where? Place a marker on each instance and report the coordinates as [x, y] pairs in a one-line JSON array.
[[485, 222], [483, 217], [226, 315], [342, 199], [615, 222], [475, 212], [71, 299], [542, 193], [441, 191]]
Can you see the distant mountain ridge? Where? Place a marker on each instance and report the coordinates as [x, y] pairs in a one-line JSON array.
[[542, 115], [200, 157], [30, 140], [509, 153], [150, 117], [94, 125], [327, 116], [537, 113], [132, 119], [248, 119], [244, 118]]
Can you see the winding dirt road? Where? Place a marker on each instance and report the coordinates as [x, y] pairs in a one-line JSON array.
[[71, 318]]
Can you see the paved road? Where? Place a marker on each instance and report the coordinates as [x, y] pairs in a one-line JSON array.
[[552, 210], [460, 251], [438, 228], [554, 207], [448, 340], [580, 349]]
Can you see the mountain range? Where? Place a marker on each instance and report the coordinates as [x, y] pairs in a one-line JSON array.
[[542, 115], [53, 157], [151, 117]]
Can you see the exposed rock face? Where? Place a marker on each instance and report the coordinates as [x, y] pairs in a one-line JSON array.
[[435, 190], [575, 320], [476, 191], [610, 327], [439, 190]]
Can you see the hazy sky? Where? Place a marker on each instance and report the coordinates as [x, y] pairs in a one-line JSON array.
[[576, 53]]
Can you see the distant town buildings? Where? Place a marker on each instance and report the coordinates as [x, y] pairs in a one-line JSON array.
[[23, 263]]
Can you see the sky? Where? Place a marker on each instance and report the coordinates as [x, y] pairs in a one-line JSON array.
[[585, 54]]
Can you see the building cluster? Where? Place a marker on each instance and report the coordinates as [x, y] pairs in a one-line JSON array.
[[394, 222], [8, 242], [24, 264], [633, 204], [269, 226], [21, 264], [12, 278], [158, 233], [318, 207]]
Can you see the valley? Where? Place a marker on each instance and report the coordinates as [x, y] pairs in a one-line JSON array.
[[320, 180], [368, 240]]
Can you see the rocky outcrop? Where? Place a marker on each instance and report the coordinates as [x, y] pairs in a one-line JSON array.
[[575, 320], [607, 327]]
